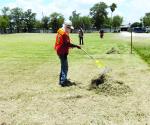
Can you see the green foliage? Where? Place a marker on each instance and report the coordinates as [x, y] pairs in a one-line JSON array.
[[83, 21], [75, 18], [56, 22], [4, 22], [25, 21], [17, 17], [107, 22], [86, 22], [19, 20], [4, 19], [146, 19], [5, 11], [113, 7], [136, 24], [29, 20], [99, 14], [117, 21], [38, 24], [45, 22]]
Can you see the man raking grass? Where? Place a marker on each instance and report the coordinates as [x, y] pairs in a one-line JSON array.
[[62, 47]]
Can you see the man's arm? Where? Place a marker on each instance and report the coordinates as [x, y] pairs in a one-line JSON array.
[[68, 44], [71, 45]]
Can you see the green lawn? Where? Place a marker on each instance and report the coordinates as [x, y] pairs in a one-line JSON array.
[[30, 94], [143, 49]]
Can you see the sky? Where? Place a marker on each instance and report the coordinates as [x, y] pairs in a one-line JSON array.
[[130, 10]]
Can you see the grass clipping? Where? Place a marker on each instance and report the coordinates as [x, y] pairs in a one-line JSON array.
[[105, 84], [113, 51]]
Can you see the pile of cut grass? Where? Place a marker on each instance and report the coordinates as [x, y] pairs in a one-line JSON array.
[[105, 84]]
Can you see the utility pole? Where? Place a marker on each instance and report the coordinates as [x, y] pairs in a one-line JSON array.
[[131, 41], [131, 37]]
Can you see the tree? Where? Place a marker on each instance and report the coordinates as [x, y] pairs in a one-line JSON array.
[[6, 18], [38, 24], [4, 22], [75, 19], [99, 14], [56, 21], [86, 22], [29, 20], [136, 24], [107, 22], [117, 21], [146, 19], [17, 17], [45, 22], [112, 8], [79, 21], [5, 11]]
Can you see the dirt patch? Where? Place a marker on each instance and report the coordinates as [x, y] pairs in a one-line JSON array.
[[105, 84], [3, 123], [113, 51]]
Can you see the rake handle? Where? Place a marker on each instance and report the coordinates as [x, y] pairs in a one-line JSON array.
[[87, 54]]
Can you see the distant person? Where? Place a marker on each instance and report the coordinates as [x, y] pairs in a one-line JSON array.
[[101, 33], [62, 47], [81, 36]]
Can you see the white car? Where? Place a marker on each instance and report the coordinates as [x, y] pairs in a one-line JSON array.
[[147, 29]]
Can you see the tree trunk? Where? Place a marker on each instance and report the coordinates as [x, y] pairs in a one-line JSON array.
[[111, 22]]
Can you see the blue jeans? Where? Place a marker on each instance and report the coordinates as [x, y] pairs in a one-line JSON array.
[[64, 69]]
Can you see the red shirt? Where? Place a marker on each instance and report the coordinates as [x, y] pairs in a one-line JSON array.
[[62, 44]]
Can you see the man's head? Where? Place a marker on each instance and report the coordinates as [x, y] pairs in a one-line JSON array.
[[68, 26]]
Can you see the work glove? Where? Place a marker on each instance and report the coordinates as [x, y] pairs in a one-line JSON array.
[[79, 47]]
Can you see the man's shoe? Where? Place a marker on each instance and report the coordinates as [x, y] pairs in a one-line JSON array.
[[63, 85], [69, 83]]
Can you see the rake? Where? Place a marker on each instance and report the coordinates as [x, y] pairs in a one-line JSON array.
[[98, 63]]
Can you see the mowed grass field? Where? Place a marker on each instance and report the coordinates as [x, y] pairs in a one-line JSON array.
[[30, 94]]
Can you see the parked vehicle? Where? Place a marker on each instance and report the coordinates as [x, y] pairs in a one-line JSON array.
[[147, 29], [139, 30]]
